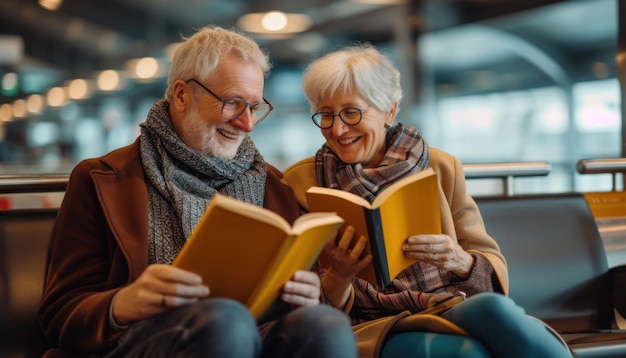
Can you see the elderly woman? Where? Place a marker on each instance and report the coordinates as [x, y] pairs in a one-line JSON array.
[[354, 94]]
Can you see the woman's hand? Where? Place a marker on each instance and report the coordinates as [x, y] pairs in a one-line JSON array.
[[346, 259], [302, 290], [157, 289], [441, 251]]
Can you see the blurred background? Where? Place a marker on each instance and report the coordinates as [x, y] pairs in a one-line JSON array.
[[486, 80]]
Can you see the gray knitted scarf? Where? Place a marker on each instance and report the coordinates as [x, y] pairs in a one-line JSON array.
[[181, 182]]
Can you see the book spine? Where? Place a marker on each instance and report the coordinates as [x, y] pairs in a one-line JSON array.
[[377, 246]]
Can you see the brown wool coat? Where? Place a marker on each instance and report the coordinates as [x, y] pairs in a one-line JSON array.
[[100, 244]]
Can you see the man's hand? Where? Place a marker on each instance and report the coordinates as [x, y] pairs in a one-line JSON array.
[[302, 290], [157, 289]]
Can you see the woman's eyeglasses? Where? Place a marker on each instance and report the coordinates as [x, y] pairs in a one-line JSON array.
[[349, 116]]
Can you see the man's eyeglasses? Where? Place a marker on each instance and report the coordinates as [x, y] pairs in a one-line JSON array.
[[234, 107], [349, 116]]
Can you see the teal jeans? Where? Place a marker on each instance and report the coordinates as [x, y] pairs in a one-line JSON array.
[[497, 327], [435, 345]]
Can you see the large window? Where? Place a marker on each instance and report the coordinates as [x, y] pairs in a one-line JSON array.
[[538, 85]]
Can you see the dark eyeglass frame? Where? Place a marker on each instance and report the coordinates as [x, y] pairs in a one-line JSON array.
[[332, 121], [224, 100]]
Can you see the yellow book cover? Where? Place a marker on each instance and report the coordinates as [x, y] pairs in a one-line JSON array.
[[407, 207], [247, 253]]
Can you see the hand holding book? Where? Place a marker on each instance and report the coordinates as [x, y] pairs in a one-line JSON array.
[[247, 253], [408, 207], [348, 253]]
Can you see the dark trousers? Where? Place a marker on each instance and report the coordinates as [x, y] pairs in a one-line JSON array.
[[224, 328]]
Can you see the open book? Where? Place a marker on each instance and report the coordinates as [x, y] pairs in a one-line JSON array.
[[407, 207], [248, 253]]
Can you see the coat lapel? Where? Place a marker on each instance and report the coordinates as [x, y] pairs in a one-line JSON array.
[[123, 194]]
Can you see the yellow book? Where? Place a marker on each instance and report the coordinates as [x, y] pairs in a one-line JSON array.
[[247, 253], [407, 207]]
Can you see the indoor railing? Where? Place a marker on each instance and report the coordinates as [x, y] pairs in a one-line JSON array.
[[611, 166]]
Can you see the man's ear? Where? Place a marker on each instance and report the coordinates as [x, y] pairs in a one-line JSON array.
[[181, 96]]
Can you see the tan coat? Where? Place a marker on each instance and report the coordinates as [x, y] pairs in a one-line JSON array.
[[460, 217]]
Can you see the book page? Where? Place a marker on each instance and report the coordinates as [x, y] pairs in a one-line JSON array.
[[345, 195], [310, 220]]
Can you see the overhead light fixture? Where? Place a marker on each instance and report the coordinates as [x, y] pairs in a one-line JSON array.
[[78, 89], [6, 113], [56, 97], [51, 5], [274, 23], [35, 103], [19, 108], [146, 68], [382, 2], [109, 80]]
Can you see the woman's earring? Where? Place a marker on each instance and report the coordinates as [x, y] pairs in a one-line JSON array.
[[387, 125]]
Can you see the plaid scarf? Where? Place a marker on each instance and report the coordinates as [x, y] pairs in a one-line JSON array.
[[407, 153], [414, 287]]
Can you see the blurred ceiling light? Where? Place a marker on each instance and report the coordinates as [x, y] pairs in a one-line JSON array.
[[51, 5], [19, 108], [147, 67], [144, 68], [56, 97], [382, 2], [78, 89], [274, 23], [6, 113], [34, 103], [108, 80]]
